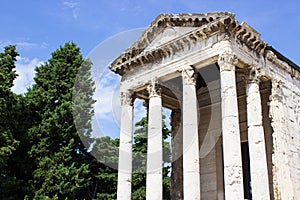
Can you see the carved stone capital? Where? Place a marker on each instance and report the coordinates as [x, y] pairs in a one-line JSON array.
[[153, 88], [127, 98], [276, 91], [227, 61], [189, 75], [254, 74]]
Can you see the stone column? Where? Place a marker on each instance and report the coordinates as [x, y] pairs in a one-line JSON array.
[[233, 176], [277, 123], [256, 138], [176, 172], [125, 149], [282, 183], [191, 164], [154, 187]]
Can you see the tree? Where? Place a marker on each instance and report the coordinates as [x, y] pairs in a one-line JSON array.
[[104, 167], [20, 165], [8, 100], [59, 155]]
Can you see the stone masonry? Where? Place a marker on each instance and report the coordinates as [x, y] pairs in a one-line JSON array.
[[235, 105]]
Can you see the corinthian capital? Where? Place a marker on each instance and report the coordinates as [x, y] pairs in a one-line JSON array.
[[227, 61], [254, 75], [126, 98], [276, 91], [153, 88], [189, 75]]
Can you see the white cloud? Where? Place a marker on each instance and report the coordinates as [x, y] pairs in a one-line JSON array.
[[107, 95], [139, 110], [25, 69], [74, 6], [107, 106], [30, 45], [24, 45], [70, 4]]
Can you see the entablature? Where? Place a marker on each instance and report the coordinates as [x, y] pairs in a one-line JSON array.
[[200, 47]]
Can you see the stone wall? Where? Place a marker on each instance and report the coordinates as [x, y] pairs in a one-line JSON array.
[[292, 138], [284, 115]]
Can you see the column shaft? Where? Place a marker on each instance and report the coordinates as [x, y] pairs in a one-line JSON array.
[[282, 183], [191, 164], [233, 176], [125, 149], [154, 187], [256, 140]]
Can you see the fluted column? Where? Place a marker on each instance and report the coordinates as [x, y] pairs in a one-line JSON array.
[[256, 138], [233, 176], [154, 187], [125, 149], [191, 164]]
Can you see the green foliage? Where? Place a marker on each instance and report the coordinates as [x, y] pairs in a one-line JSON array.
[[58, 175], [83, 90], [45, 135], [105, 174], [8, 101], [60, 157]]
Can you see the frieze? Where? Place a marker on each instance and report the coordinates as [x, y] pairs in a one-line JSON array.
[[208, 25]]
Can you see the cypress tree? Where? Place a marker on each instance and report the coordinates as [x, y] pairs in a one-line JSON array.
[[61, 170], [8, 99]]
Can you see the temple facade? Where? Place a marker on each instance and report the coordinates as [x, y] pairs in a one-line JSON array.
[[235, 105]]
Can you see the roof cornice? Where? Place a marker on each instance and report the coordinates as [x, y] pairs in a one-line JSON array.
[[206, 25]]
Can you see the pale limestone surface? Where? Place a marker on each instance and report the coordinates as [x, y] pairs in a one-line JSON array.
[[263, 111], [256, 140], [233, 176], [191, 164], [154, 151], [125, 151]]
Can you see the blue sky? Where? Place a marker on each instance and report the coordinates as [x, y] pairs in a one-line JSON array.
[[39, 27]]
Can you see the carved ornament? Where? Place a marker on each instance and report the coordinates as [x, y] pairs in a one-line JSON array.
[[254, 74], [189, 75], [276, 91], [227, 61], [271, 56], [153, 88], [127, 98]]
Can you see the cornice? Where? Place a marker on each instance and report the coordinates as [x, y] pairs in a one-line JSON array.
[[207, 25]]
